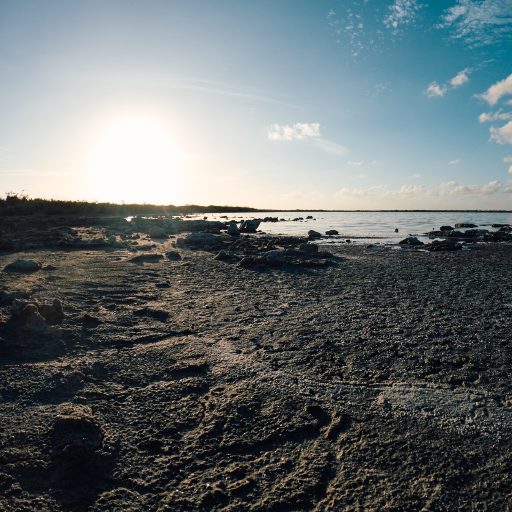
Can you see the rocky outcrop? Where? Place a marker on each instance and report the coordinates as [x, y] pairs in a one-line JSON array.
[[411, 240], [249, 226], [332, 232], [313, 235]]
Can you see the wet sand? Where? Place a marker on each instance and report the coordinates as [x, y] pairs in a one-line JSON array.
[[380, 381]]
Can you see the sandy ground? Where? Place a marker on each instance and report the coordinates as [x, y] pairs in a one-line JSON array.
[[378, 382]]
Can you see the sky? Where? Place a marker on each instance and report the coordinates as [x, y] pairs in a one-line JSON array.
[[325, 104]]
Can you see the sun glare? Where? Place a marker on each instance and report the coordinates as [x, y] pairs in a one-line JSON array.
[[133, 159]]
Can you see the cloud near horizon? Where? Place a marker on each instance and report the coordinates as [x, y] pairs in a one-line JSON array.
[[447, 188]]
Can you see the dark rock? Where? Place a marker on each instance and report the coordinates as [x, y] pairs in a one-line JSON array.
[[309, 217], [252, 261], [23, 266], [444, 245], [274, 257], [200, 240], [146, 258], [446, 228], [233, 229], [498, 236], [312, 234], [465, 225], [90, 322], [411, 240], [223, 256], [308, 248], [331, 232], [157, 314], [173, 255], [249, 226], [52, 313], [396, 230], [75, 439]]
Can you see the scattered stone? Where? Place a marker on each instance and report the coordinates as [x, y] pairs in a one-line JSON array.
[[444, 245], [223, 256], [146, 258], [90, 322], [249, 226], [309, 217], [52, 313], [396, 230], [233, 229], [274, 257], [331, 232], [411, 240], [308, 248], [199, 240], [312, 234], [23, 266], [173, 255], [157, 314], [75, 439]]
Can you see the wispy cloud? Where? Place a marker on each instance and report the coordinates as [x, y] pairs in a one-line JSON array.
[[508, 159], [303, 131], [454, 162], [498, 90], [460, 78], [401, 13], [297, 131], [436, 90], [454, 187], [490, 117], [479, 22], [502, 135]]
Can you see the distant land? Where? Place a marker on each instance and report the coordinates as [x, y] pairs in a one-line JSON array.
[[14, 204]]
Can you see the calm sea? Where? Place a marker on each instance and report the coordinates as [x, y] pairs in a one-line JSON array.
[[377, 227]]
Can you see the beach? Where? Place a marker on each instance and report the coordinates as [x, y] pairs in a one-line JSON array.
[[370, 378]]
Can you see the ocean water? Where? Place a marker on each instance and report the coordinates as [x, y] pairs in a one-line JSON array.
[[366, 227]]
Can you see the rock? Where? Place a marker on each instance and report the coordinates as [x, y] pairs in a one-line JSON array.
[[465, 225], [146, 258], [233, 229], [173, 255], [52, 313], [396, 230], [223, 256], [23, 266], [252, 261], [31, 320], [199, 240], [312, 234], [156, 232], [309, 217], [75, 439], [444, 245], [498, 236], [411, 240], [249, 226], [90, 322], [7, 298], [274, 257], [157, 314], [307, 248], [446, 228], [331, 232]]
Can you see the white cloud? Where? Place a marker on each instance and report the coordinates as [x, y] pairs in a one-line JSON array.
[[454, 162], [498, 90], [502, 135], [415, 176], [456, 188], [489, 117], [408, 190], [401, 12], [460, 78], [434, 90], [355, 163], [305, 131], [479, 22], [508, 159], [298, 131]]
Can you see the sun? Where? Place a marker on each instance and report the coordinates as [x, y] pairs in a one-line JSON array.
[[133, 160]]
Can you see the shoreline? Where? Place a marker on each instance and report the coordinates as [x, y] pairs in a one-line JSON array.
[[177, 380]]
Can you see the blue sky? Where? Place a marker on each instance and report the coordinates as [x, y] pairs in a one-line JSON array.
[[278, 104]]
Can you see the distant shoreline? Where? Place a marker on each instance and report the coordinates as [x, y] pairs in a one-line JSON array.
[[14, 204]]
